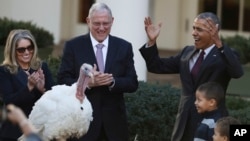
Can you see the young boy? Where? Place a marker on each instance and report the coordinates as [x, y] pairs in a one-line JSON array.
[[222, 128], [209, 96]]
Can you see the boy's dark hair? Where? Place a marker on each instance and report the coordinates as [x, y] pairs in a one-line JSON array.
[[223, 125], [213, 90]]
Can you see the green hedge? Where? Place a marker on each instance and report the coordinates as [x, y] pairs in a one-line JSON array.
[[42, 36], [239, 107], [241, 45], [152, 109], [53, 64]]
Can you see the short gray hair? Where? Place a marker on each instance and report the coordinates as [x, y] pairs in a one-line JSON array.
[[99, 7], [211, 15]]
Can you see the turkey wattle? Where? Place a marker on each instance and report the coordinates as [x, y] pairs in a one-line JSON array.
[[64, 111]]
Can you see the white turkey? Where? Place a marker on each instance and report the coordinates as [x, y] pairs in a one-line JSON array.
[[64, 111]]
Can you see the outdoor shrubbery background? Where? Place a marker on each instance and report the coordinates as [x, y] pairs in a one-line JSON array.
[[151, 111], [241, 45], [152, 108], [42, 36]]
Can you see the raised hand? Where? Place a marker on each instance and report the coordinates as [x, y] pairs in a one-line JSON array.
[[213, 29], [152, 31]]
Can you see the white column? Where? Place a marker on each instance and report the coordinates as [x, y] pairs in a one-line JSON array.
[[129, 24]]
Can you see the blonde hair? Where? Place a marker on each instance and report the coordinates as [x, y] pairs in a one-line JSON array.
[[10, 60]]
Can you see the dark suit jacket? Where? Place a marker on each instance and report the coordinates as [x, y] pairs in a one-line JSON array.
[[108, 105], [13, 89], [220, 66]]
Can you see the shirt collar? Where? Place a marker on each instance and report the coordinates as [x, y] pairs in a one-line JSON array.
[[95, 42], [207, 50]]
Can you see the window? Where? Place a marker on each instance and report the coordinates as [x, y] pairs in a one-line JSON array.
[[84, 6], [246, 23], [234, 14], [230, 14]]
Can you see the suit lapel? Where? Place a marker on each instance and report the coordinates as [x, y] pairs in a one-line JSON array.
[[210, 58], [112, 50], [192, 53], [22, 77], [87, 51], [187, 58]]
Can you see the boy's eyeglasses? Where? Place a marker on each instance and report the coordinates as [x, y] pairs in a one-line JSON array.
[[23, 49]]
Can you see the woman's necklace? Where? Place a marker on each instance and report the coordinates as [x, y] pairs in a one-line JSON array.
[[27, 70]]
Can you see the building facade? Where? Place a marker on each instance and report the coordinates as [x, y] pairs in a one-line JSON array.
[[66, 19]]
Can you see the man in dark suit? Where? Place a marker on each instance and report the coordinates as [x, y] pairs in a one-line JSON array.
[[220, 64], [119, 75]]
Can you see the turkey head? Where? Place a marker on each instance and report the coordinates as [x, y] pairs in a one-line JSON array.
[[86, 72]]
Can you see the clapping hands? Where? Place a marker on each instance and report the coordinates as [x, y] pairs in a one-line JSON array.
[[100, 79], [36, 79]]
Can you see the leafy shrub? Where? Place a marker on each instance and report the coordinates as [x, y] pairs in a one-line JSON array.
[[242, 114], [151, 111], [236, 103], [43, 37], [241, 45], [239, 108], [53, 64]]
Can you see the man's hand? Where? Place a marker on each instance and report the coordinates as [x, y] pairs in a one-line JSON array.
[[152, 31], [213, 29], [100, 79]]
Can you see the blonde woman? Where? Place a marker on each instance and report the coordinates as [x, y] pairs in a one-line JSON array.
[[23, 76]]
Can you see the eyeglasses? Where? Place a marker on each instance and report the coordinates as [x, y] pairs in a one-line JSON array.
[[105, 24], [23, 49]]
